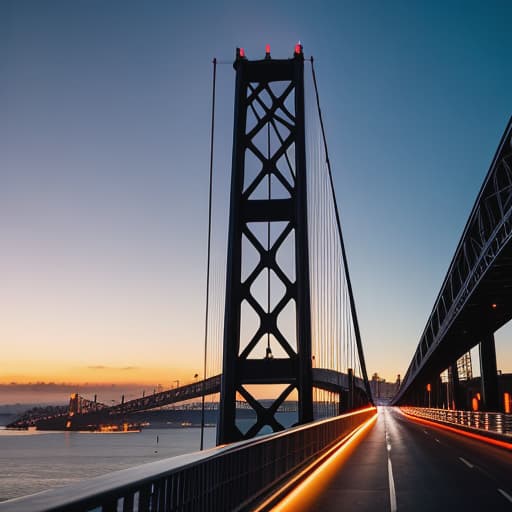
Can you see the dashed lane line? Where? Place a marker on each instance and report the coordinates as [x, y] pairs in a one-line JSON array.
[[506, 495], [392, 492], [468, 464]]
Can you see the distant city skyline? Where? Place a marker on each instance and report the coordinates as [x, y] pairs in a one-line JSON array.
[[104, 132], [55, 393]]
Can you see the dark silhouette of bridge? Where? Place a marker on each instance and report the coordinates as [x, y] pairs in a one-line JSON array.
[[475, 299], [419, 457], [85, 414]]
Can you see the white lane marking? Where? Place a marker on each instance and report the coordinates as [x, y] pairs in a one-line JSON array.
[[392, 494], [425, 432], [437, 440], [505, 494], [468, 464]]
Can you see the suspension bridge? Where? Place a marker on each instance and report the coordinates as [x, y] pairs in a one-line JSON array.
[[287, 332]]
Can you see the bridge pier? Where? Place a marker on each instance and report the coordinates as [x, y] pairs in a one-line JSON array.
[[489, 374], [458, 392], [350, 401], [437, 392], [343, 401]]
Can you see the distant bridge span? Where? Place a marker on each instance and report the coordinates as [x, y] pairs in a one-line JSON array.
[[328, 380], [84, 411]]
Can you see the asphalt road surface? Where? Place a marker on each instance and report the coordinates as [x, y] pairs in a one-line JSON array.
[[403, 465]]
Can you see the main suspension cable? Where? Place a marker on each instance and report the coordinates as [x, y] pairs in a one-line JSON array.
[[343, 252], [212, 132]]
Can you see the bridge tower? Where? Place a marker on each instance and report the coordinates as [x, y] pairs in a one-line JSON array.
[[268, 196]]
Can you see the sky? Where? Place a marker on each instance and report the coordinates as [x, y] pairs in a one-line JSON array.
[[104, 152]]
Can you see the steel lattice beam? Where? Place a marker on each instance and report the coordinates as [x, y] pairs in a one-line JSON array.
[[476, 295]]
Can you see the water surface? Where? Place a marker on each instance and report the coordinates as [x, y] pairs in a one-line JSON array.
[[35, 461]]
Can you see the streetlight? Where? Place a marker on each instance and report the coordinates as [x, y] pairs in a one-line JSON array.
[[429, 388]]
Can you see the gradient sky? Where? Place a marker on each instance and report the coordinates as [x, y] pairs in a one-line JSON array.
[[104, 133]]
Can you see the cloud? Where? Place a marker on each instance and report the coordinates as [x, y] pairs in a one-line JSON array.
[[122, 368]]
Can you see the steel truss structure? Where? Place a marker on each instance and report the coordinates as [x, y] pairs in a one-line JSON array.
[[267, 210], [476, 295]]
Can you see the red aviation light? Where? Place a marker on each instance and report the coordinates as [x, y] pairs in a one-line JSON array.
[[267, 49], [298, 49], [240, 53]]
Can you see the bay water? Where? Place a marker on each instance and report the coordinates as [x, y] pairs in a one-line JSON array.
[[33, 461]]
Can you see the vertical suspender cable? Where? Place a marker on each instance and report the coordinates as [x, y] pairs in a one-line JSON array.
[[269, 350], [343, 252], [209, 254]]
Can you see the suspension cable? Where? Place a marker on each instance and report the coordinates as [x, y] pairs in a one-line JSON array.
[[343, 252], [269, 350], [212, 132]]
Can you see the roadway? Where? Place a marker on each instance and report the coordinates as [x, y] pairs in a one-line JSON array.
[[401, 464]]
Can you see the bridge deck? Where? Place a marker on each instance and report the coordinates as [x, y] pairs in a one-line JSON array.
[[431, 470]]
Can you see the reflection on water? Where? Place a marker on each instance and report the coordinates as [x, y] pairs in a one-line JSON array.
[[33, 461]]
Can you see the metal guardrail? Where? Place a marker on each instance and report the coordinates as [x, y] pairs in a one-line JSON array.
[[488, 422], [226, 478]]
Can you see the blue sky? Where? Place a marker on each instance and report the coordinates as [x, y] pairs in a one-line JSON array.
[[104, 130]]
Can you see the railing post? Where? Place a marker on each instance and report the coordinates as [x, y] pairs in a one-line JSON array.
[[128, 503], [110, 506], [460, 403], [144, 499]]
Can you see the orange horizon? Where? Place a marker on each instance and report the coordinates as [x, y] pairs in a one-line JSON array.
[[101, 375], [107, 376]]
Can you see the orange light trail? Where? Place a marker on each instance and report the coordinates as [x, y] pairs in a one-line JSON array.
[[311, 486], [488, 440]]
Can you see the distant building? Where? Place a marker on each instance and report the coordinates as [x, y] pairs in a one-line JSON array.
[[383, 390]]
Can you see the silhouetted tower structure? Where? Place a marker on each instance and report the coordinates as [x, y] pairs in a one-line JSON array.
[[268, 208]]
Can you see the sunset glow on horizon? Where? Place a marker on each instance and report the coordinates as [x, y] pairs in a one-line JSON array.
[[105, 110], [74, 373]]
